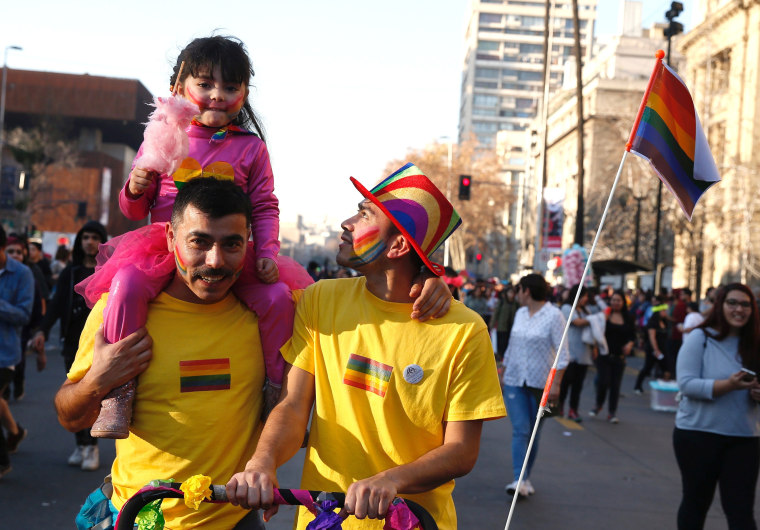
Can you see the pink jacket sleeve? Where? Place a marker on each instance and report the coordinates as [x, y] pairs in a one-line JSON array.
[[137, 209], [266, 211]]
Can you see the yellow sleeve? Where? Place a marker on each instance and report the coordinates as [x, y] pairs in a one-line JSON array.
[[299, 350], [475, 392], [83, 360]]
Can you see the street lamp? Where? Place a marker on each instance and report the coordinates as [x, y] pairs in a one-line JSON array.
[[2, 102]]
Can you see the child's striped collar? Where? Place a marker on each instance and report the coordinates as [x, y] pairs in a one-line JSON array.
[[221, 134]]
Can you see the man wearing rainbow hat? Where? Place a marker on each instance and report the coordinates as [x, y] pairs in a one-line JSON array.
[[398, 404]]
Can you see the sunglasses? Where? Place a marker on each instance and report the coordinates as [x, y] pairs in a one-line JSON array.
[[744, 304]]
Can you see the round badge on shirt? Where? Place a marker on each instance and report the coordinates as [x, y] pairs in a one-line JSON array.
[[413, 374]]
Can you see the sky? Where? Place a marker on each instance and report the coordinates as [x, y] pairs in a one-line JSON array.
[[342, 86]]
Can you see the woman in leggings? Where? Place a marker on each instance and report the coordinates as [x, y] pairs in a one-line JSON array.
[[718, 420]]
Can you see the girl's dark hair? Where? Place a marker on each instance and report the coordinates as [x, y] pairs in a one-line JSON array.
[[536, 285], [232, 57], [749, 334]]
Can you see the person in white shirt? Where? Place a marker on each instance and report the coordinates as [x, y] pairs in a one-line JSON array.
[[533, 343], [693, 319]]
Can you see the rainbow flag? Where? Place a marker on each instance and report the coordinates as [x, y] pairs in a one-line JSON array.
[[668, 134], [204, 374], [367, 374]]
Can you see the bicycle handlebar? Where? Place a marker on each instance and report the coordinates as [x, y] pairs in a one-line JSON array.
[[282, 496]]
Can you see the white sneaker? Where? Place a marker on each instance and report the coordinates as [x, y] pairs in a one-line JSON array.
[[76, 457], [90, 458], [528, 487], [511, 488], [523, 491]]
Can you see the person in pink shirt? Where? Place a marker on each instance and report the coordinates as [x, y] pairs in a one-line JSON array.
[[133, 268]]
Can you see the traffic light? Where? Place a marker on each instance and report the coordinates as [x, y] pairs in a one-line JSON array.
[[465, 182]]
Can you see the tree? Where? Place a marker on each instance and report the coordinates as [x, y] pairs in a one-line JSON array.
[[482, 227], [39, 150]]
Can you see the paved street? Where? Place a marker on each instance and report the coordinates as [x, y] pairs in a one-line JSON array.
[[591, 475]]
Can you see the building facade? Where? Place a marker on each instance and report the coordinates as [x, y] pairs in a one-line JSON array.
[[613, 85], [503, 73], [722, 243], [97, 121]]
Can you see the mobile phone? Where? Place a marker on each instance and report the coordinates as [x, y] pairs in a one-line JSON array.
[[749, 375]]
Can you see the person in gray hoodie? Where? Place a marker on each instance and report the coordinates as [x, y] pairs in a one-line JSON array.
[[717, 431]]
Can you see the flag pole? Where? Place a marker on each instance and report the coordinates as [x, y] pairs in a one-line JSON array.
[[553, 371], [657, 67], [550, 379]]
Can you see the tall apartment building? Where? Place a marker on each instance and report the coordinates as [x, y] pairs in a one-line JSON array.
[[502, 78]]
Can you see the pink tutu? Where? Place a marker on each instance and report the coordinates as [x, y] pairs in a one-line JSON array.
[[145, 249]]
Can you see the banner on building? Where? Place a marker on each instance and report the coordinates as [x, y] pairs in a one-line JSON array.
[[554, 217]]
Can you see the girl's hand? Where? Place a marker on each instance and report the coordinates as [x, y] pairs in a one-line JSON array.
[[266, 270], [432, 297], [140, 180]]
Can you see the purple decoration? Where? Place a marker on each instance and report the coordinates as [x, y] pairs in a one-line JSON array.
[[326, 519]]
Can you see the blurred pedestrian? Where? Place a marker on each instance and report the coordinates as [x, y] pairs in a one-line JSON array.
[[619, 332], [62, 255], [16, 300], [38, 257], [654, 344], [71, 309], [581, 355], [503, 318], [17, 248], [477, 300], [693, 319], [718, 421], [533, 343]]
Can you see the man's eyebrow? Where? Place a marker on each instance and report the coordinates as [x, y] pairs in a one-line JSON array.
[[364, 205], [231, 237]]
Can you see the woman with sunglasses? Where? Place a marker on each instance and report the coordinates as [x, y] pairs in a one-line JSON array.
[[718, 420]]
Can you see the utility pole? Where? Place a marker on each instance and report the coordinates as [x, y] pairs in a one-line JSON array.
[[580, 209], [674, 28]]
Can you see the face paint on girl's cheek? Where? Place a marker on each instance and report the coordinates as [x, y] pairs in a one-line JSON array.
[[190, 96], [181, 267], [367, 246]]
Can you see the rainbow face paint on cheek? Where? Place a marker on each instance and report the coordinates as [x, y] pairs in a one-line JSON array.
[[181, 267], [367, 246]]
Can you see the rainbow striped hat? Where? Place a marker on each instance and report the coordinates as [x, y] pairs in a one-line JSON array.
[[417, 208]]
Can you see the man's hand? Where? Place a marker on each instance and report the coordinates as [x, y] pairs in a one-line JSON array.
[[433, 297], [115, 364], [254, 488], [140, 180], [266, 270], [370, 497]]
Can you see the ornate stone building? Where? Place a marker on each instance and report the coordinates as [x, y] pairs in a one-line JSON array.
[[722, 244]]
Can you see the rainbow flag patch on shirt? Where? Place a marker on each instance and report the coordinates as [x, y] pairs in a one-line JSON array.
[[205, 374], [367, 374]]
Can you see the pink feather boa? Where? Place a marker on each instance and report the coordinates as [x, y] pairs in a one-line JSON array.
[[166, 144]]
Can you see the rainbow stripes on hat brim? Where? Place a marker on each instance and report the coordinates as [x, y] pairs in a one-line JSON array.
[[417, 208]]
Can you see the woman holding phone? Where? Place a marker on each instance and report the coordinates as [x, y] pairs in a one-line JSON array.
[[718, 420]]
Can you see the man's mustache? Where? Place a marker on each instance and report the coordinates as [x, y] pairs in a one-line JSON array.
[[208, 271]]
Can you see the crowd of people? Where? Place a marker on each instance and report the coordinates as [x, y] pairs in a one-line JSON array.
[[192, 334]]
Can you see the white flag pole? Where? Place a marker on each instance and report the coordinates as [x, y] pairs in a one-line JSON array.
[[553, 371]]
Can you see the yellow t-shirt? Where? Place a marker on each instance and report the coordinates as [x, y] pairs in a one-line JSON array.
[[198, 404], [385, 385]]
